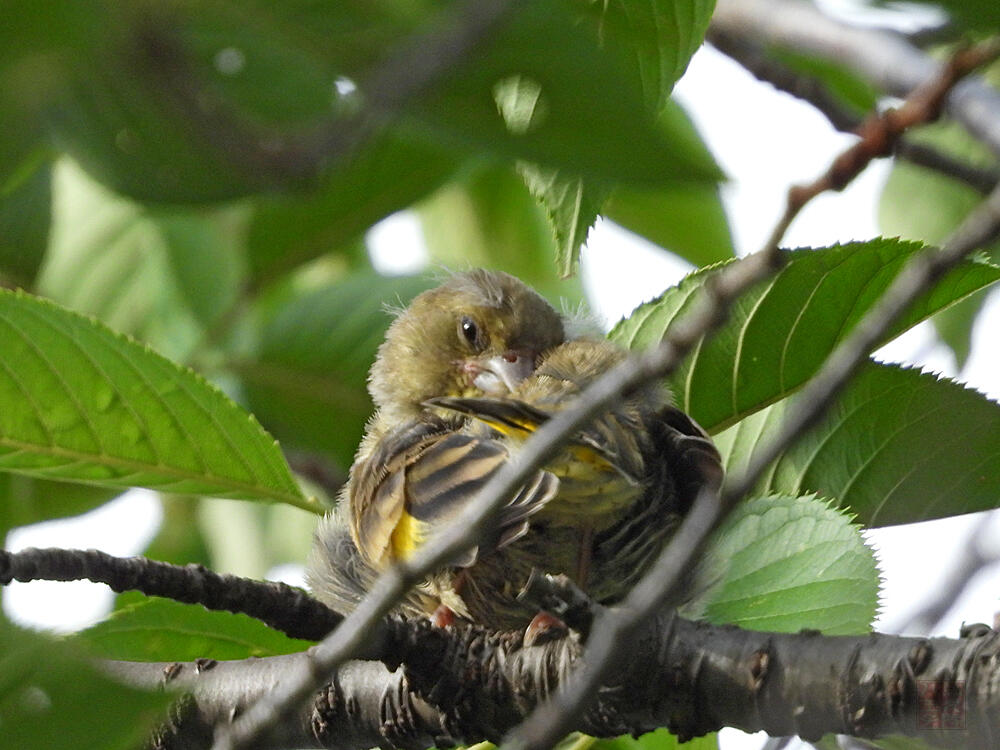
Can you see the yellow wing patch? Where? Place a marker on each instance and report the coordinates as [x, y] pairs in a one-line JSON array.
[[408, 535]]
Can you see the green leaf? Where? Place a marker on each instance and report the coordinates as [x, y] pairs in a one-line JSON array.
[[86, 404], [898, 446], [983, 15], [489, 219], [25, 500], [25, 214], [784, 563], [782, 330], [660, 739], [923, 204], [852, 92], [143, 95], [387, 175], [307, 380], [686, 218], [165, 630], [572, 206], [661, 37], [684, 214], [158, 274], [577, 127], [49, 697]]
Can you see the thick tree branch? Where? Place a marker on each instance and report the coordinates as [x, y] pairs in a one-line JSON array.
[[467, 684], [885, 59]]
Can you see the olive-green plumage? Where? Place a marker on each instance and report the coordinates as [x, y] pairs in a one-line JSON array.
[[450, 412]]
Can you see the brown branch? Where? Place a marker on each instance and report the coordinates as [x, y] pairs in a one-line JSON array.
[[811, 90], [659, 586], [886, 60], [463, 685], [880, 132]]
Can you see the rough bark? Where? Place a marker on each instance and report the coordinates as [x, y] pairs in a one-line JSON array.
[[466, 684]]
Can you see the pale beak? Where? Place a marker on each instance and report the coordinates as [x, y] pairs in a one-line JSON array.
[[500, 375]]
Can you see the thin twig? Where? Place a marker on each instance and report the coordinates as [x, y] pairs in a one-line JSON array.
[[887, 60], [971, 559], [880, 132], [348, 639], [658, 587], [811, 90]]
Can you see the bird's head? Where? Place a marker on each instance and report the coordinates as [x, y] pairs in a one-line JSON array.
[[481, 332]]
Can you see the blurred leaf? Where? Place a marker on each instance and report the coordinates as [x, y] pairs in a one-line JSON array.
[[127, 105], [489, 219], [250, 539], [164, 630], [158, 274], [686, 218], [88, 405], [854, 93], [660, 739], [49, 695], [179, 539], [307, 381], [387, 175], [25, 500], [139, 94], [25, 214], [571, 204], [662, 37], [785, 563], [923, 204], [781, 330], [898, 446], [204, 248], [576, 126], [983, 15]]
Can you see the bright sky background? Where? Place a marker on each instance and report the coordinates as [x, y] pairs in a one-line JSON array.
[[768, 141]]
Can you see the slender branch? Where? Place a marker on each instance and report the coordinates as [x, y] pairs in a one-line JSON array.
[[811, 90], [885, 59], [658, 587], [343, 643], [279, 605], [880, 132], [350, 637]]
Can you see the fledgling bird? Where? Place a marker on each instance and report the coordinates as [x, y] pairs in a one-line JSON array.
[[479, 333], [625, 481], [453, 405]]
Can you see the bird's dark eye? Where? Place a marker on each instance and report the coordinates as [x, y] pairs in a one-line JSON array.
[[468, 329]]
